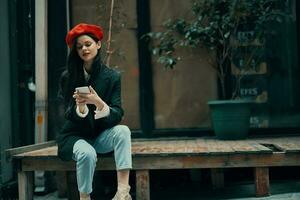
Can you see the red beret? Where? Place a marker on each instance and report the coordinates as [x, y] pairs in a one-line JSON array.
[[81, 29]]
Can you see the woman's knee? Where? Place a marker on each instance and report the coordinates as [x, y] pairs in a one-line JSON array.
[[88, 154], [123, 132]]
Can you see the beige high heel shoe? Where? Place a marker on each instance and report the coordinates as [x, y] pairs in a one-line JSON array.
[[123, 194], [85, 196]]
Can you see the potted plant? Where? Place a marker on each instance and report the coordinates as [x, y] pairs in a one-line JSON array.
[[222, 27]]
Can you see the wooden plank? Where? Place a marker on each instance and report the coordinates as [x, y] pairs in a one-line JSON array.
[[174, 154], [216, 147], [201, 146], [189, 147], [166, 148], [151, 147], [162, 139], [259, 147], [142, 185], [179, 147], [158, 148], [173, 162], [242, 146], [216, 161], [40, 153], [288, 146], [32, 164], [217, 178], [19, 150], [262, 185], [25, 185]]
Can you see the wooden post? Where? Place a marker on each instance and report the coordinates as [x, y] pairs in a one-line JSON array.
[[41, 81], [25, 184], [217, 178], [262, 186], [41, 71], [142, 185]]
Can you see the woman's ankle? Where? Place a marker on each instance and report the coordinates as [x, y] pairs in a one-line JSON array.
[[123, 187], [84, 196]]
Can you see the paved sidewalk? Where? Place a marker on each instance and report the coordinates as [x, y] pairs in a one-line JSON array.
[[280, 191]]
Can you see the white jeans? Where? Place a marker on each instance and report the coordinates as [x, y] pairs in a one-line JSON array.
[[115, 139]]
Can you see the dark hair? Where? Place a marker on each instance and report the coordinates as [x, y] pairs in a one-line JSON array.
[[74, 75]]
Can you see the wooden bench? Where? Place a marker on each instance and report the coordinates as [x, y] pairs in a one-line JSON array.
[[171, 153]]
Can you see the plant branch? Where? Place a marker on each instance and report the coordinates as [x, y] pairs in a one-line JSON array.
[[108, 50]]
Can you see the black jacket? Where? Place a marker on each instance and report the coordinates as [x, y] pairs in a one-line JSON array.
[[107, 84]]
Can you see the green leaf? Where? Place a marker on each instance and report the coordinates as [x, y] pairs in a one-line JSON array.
[[226, 35]]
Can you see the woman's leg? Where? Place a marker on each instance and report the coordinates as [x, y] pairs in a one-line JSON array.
[[118, 139], [85, 156], [123, 176]]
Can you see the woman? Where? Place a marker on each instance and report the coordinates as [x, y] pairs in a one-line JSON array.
[[92, 118]]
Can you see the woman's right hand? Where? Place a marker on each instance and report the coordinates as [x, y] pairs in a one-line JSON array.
[[80, 102]]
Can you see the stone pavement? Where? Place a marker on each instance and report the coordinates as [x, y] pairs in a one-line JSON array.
[[282, 190], [279, 191]]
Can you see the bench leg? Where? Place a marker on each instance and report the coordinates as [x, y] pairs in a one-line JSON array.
[[72, 190], [142, 185], [262, 185], [25, 185], [61, 181], [217, 178]]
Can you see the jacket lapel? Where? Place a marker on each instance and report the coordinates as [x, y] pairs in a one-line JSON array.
[[99, 81]]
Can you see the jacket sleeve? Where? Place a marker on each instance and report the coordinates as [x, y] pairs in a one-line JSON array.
[[71, 113], [69, 102], [115, 107]]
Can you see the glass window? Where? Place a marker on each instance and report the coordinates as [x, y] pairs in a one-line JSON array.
[[123, 45]]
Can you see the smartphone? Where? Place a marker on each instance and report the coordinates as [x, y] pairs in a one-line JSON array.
[[83, 90]]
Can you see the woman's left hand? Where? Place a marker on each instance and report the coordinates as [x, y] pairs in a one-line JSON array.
[[92, 98]]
